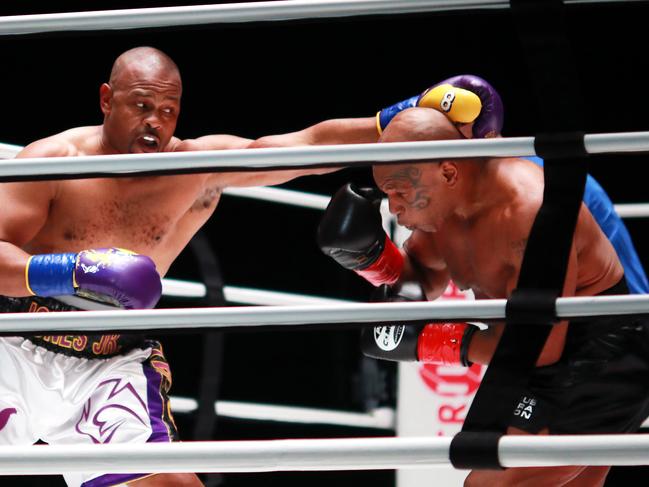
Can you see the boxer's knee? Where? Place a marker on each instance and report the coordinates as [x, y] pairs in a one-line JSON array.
[[168, 480]]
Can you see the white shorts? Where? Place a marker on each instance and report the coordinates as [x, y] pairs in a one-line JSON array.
[[60, 399]]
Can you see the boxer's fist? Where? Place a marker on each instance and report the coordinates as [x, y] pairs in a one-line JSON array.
[[391, 342], [489, 119], [117, 276], [437, 343], [463, 99], [351, 233]]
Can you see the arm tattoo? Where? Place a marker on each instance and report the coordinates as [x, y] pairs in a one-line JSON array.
[[209, 196]]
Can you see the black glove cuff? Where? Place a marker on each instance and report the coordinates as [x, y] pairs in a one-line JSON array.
[[464, 346]]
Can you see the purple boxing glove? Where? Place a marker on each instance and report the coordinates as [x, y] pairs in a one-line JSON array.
[[489, 122], [463, 99], [116, 276]]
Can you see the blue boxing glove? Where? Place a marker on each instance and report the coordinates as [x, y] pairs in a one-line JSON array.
[[116, 276], [463, 99]]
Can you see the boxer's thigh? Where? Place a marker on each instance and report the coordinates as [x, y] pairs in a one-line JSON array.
[[168, 480], [127, 404], [17, 399]]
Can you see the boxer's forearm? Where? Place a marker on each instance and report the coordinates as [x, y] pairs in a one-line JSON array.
[[329, 132], [345, 131], [12, 270], [484, 342]]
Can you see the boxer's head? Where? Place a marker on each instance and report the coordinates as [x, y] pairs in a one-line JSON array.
[[421, 195], [141, 101]]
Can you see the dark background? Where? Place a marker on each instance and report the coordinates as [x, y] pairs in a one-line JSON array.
[[256, 79]]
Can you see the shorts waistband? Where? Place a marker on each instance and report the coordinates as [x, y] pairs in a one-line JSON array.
[[87, 346]]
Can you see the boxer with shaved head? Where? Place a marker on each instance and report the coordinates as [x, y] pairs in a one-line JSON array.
[[110, 240], [470, 219]]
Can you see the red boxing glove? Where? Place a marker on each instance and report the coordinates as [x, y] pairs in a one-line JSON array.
[[445, 343], [387, 267]]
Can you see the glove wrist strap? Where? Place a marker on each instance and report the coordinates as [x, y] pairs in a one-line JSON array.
[[50, 274], [386, 269]]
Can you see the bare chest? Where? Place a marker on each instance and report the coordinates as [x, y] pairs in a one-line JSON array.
[[478, 263], [149, 216]]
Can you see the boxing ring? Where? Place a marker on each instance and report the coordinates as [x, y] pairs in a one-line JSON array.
[[302, 455], [308, 454]]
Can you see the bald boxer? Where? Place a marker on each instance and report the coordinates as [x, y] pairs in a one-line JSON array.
[[476, 109], [110, 241], [470, 221]]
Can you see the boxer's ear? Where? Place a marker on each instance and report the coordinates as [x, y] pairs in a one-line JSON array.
[[449, 172], [105, 98]]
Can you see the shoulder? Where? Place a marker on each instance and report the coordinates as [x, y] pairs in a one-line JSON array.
[[70, 143], [54, 146]]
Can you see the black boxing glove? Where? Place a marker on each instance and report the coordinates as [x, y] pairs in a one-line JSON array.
[[391, 342], [351, 233], [433, 343]]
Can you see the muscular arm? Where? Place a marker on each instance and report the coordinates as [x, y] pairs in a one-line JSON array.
[[329, 132], [341, 131], [25, 210], [213, 142]]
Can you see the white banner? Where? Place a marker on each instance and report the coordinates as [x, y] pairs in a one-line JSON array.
[[433, 400]]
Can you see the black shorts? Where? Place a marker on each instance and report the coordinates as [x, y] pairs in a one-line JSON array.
[[600, 385]]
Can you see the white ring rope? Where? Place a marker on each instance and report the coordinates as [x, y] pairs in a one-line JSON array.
[[285, 196], [267, 158], [381, 418], [318, 455], [243, 295], [221, 13], [249, 316], [632, 210], [236, 12], [320, 202]]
